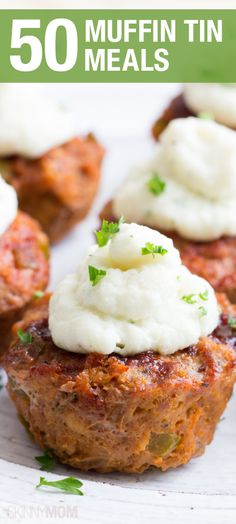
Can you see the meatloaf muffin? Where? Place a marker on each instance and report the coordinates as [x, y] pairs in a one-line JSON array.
[[55, 172], [176, 109], [122, 408], [24, 270], [217, 101], [121, 413], [215, 261], [58, 188], [181, 191]]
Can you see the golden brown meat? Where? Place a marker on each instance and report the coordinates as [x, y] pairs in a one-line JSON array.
[[176, 109], [113, 413], [24, 269], [58, 189], [215, 261]]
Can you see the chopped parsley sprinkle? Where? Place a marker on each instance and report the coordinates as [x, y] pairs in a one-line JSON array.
[[46, 461], [38, 294], [24, 336], [68, 484], [204, 295], [232, 322], [190, 299], [203, 311], [107, 230], [151, 249], [156, 185], [206, 116], [95, 274], [120, 345], [193, 298]]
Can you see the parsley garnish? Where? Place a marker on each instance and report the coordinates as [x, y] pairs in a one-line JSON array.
[[156, 185], [232, 322], [206, 116], [68, 484], [24, 336], [107, 230], [151, 249], [46, 461], [38, 294], [204, 295], [203, 311], [1, 384], [95, 274], [190, 299], [120, 345]]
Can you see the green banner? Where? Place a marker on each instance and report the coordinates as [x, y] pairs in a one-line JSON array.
[[117, 46]]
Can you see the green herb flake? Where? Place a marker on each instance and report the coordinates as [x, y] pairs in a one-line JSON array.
[[189, 299], [46, 461], [24, 336], [38, 294], [95, 275], [120, 345], [206, 116], [156, 185], [151, 249], [232, 322], [203, 311], [204, 296], [107, 230], [1, 384], [68, 484]]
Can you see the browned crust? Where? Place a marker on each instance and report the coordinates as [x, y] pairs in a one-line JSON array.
[[59, 188], [215, 261], [176, 109], [101, 412], [24, 269]]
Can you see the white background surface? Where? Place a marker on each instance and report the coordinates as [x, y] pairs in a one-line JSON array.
[[203, 491]]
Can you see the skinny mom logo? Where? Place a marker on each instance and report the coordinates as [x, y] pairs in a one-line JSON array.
[[38, 512]]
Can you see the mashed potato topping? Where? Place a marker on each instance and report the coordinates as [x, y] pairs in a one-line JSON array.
[[190, 184], [132, 294], [31, 123], [8, 205], [217, 99]]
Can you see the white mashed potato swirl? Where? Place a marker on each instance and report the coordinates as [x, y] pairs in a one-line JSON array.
[[143, 302], [8, 205], [196, 160], [31, 123], [216, 99]]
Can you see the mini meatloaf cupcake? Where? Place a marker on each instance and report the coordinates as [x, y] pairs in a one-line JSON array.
[[188, 190], [24, 265], [132, 366], [55, 173], [215, 100]]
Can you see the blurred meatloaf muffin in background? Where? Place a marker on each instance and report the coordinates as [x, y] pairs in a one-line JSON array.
[[55, 173], [24, 261], [58, 189], [123, 408], [181, 191], [217, 101]]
